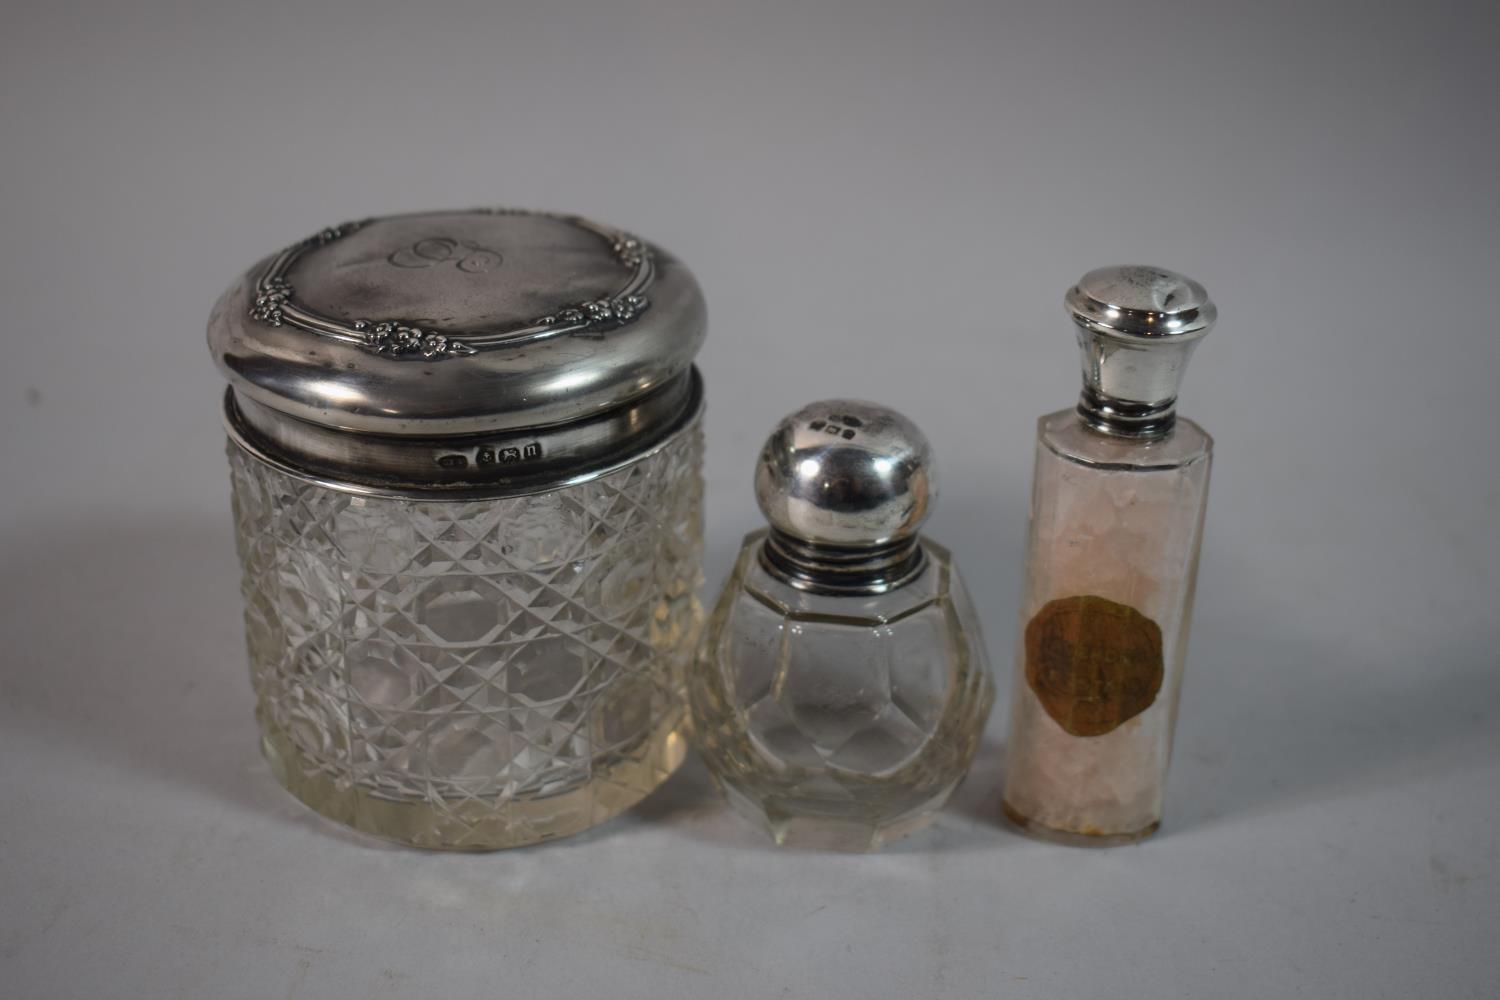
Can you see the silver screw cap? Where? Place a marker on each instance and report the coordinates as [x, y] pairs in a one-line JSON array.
[[1137, 327], [845, 485]]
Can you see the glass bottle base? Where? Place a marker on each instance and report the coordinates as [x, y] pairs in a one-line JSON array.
[[483, 823], [1073, 838], [821, 824]]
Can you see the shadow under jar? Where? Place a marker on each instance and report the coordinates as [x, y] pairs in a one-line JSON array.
[[466, 457]]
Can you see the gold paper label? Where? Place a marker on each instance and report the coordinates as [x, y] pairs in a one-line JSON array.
[[1093, 664]]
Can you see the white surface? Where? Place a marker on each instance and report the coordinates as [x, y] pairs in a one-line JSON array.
[[881, 203]]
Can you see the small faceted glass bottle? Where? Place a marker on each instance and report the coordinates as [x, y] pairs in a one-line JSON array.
[[842, 683], [1116, 522]]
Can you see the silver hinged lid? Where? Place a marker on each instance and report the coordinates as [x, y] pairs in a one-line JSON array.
[[408, 330], [458, 322], [1137, 327]]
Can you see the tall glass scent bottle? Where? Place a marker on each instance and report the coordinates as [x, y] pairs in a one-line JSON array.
[[1112, 555], [842, 684]]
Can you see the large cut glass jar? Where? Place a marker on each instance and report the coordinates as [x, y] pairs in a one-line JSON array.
[[466, 464]]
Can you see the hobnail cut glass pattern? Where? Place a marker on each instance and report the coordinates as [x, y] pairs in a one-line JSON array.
[[472, 674], [840, 722]]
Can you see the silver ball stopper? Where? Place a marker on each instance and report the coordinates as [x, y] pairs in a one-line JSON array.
[[1137, 327], [846, 474]]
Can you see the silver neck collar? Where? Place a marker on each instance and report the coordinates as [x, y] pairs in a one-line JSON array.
[[839, 570]]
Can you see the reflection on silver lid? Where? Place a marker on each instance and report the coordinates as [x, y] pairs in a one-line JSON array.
[[1137, 327]]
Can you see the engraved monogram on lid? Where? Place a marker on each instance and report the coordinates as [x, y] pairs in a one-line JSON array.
[[275, 301]]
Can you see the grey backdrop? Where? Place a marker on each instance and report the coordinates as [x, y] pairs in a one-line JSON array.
[[884, 201]]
